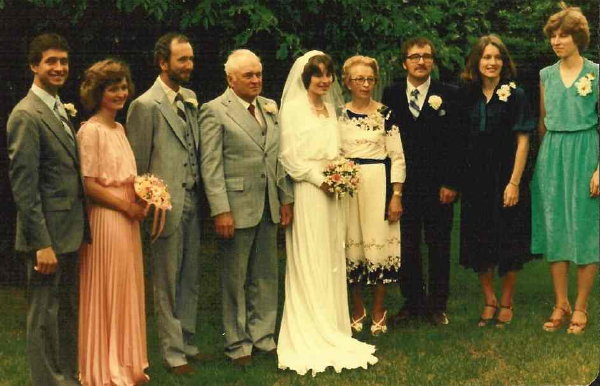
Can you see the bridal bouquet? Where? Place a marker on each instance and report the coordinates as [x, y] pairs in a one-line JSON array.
[[342, 177], [154, 191]]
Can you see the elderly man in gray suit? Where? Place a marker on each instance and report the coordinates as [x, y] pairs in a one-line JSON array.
[[51, 225], [162, 128], [248, 193]]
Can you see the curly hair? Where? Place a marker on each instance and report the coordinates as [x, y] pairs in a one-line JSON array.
[[359, 59], [98, 77], [571, 21], [471, 72], [312, 68]]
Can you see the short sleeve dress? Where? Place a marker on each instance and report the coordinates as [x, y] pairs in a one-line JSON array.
[[372, 243], [564, 216], [490, 234], [112, 317]]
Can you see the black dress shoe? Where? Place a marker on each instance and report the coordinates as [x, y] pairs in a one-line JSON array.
[[439, 318], [404, 315], [242, 362]]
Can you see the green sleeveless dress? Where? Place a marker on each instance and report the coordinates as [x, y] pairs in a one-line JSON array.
[[564, 216]]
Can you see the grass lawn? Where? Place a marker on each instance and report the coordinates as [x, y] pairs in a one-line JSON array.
[[417, 354]]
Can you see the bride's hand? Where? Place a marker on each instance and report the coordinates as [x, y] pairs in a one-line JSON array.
[[325, 188]]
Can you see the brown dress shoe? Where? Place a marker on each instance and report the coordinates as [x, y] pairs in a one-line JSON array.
[[242, 362], [182, 370]]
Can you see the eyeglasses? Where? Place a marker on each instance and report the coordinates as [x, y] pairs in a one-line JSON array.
[[361, 80], [416, 57]]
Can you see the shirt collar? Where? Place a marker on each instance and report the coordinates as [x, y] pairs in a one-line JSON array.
[[243, 102], [423, 88], [171, 94], [48, 99]]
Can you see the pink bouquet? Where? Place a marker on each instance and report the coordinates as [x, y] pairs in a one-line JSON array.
[[154, 191], [342, 177]]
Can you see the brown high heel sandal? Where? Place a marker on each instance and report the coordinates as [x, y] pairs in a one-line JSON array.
[[484, 321], [552, 325], [502, 323], [577, 328]]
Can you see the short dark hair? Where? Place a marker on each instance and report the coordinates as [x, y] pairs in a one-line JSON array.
[[471, 72], [162, 48], [98, 77], [312, 68], [44, 42], [418, 41]]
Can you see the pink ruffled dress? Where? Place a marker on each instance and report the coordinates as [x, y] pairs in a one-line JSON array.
[[112, 318]]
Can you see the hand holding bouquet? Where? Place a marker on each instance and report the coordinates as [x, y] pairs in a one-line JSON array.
[[341, 176], [154, 191]]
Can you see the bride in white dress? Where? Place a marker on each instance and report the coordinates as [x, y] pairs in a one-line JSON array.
[[315, 329]]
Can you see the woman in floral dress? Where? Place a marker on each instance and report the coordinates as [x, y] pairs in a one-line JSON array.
[[373, 230]]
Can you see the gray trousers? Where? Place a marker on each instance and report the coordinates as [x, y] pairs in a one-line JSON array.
[[249, 281], [175, 278], [52, 322]]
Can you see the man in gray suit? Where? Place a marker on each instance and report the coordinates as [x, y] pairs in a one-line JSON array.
[[248, 193], [162, 127], [48, 191]]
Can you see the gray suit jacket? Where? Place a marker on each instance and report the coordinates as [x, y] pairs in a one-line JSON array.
[[45, 179], [157, 137], [239, 165]]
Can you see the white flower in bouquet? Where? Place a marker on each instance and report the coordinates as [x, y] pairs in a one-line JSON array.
[[342, 177]]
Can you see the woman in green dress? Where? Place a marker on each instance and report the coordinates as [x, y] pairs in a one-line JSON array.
[[565, 190]]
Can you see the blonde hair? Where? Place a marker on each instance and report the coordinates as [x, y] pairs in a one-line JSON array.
[[571, 21], [359, 59]]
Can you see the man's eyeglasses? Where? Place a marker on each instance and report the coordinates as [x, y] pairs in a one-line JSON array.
[[416, 57], [362, 80]]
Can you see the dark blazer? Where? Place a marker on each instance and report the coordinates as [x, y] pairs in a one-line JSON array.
[[433, 143], [45, 179]]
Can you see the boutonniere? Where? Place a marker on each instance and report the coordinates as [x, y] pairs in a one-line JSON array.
[[70, 109], [192, 101], [584, 84], [435, 101], [270, 108], [504, 91]]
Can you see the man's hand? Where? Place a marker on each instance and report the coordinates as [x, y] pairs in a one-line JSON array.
[[287, 214], [46, 262], [224, 225], [447, 196]]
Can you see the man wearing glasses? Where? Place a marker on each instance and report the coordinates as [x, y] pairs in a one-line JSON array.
[[427, 115]]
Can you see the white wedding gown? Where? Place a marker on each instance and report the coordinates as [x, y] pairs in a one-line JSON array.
[[315, 329]]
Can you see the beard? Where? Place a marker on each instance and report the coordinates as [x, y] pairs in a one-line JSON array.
[[177, 77]]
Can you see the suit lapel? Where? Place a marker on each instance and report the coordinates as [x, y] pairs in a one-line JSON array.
[[270, 122], [191, 113], [168, 112], [243, 118], [55, 126], [427, 110]]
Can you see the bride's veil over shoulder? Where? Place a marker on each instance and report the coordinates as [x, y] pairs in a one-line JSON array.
[[297, 120]]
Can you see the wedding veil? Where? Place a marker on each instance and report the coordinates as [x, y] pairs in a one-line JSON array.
[[294, 88]]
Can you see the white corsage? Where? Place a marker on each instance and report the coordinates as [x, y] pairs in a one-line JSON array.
[[192, 101], [270, 108], [584, 84], [70, 109], [435, 101], [504, 91]]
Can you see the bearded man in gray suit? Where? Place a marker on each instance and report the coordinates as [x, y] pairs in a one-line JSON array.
[[162, 128], [248, 193], [51, 224]]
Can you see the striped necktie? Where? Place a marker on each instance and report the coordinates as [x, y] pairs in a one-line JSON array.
[[412, 104], [180, 107]]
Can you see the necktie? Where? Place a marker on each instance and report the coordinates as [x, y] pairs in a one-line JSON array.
[[180, 107], [252, 110], [412, 104], [61, 113]]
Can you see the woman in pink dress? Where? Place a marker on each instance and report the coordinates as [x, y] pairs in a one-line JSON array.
[[112, 322]]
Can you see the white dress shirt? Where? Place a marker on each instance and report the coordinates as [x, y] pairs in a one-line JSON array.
[[423, 89]]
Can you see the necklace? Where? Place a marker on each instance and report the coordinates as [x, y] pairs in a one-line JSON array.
[[320, 108]]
